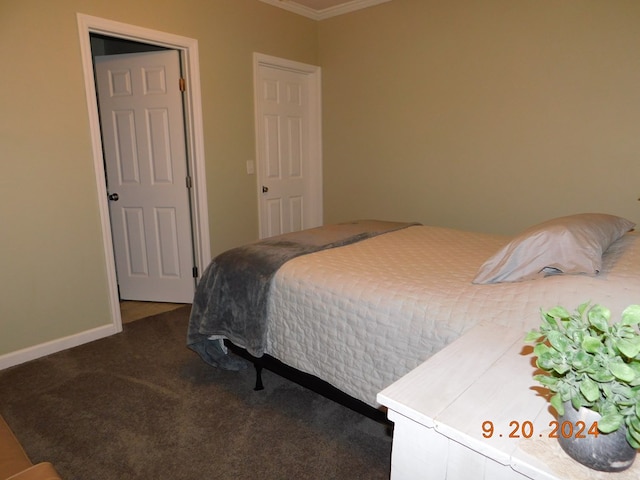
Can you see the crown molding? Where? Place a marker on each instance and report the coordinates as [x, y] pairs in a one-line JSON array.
[[347, 7]]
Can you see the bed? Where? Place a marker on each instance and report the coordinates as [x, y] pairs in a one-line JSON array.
[[362, 314]]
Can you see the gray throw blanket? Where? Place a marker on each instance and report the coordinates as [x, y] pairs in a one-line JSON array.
[[232, 295]]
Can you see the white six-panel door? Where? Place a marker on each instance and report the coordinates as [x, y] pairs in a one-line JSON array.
[[288, 149], [141, 115]]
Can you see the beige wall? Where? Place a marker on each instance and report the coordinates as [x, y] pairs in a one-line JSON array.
[[483, 115], [53, 282]]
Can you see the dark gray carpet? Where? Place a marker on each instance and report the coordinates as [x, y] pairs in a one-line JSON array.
[[140, 405]]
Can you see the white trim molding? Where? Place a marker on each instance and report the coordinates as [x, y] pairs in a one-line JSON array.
[[54, 346], [346, 7]]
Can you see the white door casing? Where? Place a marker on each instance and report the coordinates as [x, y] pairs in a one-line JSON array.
[[145, 157], [288, 145], [188, 48]]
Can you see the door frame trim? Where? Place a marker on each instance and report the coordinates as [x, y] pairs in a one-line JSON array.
[[188, 49], [313, 73]]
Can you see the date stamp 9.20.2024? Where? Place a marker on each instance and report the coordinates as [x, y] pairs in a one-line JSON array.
[[526, 429]]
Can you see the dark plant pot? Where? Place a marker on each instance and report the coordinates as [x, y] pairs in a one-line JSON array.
[[605, 452]]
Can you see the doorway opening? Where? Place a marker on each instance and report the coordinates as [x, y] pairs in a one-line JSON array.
[[140, 293], [288, 113], [104, 36]]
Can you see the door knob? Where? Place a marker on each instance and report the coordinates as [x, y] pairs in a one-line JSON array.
[[265, 189], [114, 197]]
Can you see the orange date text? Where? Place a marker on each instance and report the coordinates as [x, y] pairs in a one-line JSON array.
[[525, 429]]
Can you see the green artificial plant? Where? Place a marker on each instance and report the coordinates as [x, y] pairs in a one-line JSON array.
[[592, 363]]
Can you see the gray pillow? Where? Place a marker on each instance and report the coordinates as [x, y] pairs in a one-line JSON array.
[[572, 244]]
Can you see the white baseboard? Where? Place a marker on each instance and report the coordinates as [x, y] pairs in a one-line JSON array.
[[47, 348]]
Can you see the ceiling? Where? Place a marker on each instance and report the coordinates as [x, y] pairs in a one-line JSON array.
[[321, 9]]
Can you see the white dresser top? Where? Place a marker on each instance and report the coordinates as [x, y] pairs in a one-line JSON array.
[[484, 376]]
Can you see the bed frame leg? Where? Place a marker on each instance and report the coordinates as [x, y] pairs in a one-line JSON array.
[[259, 385]]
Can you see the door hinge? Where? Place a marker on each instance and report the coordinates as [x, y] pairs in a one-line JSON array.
[[195, 272], [183, 85], [189, 182]]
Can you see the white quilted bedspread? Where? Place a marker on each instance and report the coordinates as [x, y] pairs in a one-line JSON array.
[[363, 315]]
